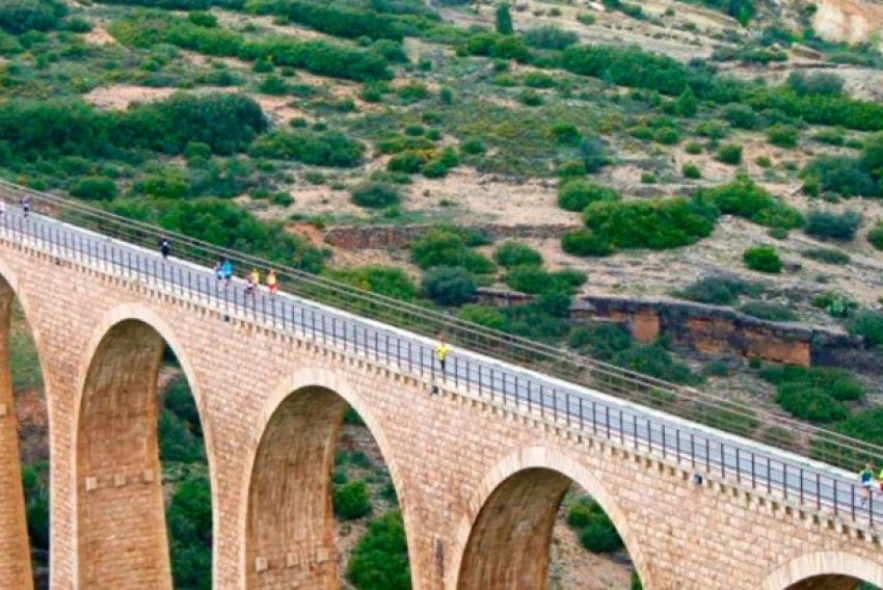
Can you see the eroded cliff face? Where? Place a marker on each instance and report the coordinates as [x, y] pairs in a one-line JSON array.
[[849, 21]]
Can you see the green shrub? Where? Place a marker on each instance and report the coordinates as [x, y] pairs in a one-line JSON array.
[[351, 500], [875, 236], [19, 16], [380, 558], [576, 194], [566, 133], [434, 168], [729, 154], [539, 80], [785, 136], [832, 226], [602, 341], [822, 83], [718, 290], [585, 242], [483, 315], [550, 37], [189, 519], [655, 361], [762, 259], [690, 170], [413, 92], [841, 175], [334, 19], [473, 146], [765, 310], [530, 98], [627, 66], [317, 148], [389, 281], [810, 404], [693, 148], [655, 223], [448, 247], [839, 384], [866, 425], [511, 254], [375, 195], [826, 255], [740, 116], [449, 285], [407, 162], [869, 325], [497, 46], [686, 104], [534, 280], [580, 515], [95, 188]]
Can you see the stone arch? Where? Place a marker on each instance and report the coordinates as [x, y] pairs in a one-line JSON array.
[[286, 517], [825, 570], [119, 516], [505, 506], [15, 555]]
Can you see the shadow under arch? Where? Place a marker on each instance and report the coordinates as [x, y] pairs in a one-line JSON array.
[[15, 550], [119, 514], [825, 570], [518, 501], [286, 518]]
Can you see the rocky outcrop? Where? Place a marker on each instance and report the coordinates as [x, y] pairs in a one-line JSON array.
[[849, 21], [399, 236], [713, 330]]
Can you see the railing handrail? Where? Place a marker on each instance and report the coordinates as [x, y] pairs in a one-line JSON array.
[[510, 344]]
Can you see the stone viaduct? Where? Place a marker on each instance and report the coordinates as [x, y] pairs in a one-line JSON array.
[[479, 485]]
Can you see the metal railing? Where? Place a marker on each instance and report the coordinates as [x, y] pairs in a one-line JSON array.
[[628, 425]]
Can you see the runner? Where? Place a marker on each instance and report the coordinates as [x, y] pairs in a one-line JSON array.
[[164, 248], [866, 476], [254, 281], [26, 205], [271, 282], [227, 271], [219, 272]]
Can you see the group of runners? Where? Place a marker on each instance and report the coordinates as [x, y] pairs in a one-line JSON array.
[[224, 272]]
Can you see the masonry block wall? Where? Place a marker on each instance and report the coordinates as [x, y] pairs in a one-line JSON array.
[[472, 479]]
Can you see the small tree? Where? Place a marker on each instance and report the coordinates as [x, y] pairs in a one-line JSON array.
[[448, 285], [686, 104], [504, 19], [762, 259]]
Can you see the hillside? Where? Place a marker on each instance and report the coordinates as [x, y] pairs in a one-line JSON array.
[[729, 154]]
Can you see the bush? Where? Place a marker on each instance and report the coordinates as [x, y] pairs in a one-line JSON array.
[[686, 104], [19, 16], [656, 223], [762, 259], [380, 558], [473, 146], [740, 116], [785, 136], [875, 236], [601, 341], [448, 247], [539, 80], [627, 66], [838, 383], [821, 83], [95, 188], [690, 170], [189, 517], [503, 19], [585, 242], [375, 195], [317, 148], [576, 194], [434, 169], [872, 155], [511, 254], [534, 280], [334, 19], [826, 225], [765, 310], [866, 425], [841, 175], [826, 255], [449, 286], [389, 281], [550, 37], [718, 290], [600, 538], [869, 325], [407, 162], [810, 404], [729, 154], [655, 361], [351, 500], [483, 315]]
